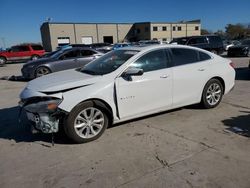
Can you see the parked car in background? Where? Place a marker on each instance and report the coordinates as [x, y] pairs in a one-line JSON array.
[[148, 42], [61, 60], [211, 43], [117, 46], [227, 44], [241, 49], [125, 84], [21, 53]]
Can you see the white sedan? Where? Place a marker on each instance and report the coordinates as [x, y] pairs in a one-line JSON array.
[[125, 84]]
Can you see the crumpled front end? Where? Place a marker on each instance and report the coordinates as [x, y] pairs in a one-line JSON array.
[[42, 110]]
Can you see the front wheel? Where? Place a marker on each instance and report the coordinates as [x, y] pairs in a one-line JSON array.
[[41, 71], [212, 94], [86, 122], [34, 57], [2, 61]]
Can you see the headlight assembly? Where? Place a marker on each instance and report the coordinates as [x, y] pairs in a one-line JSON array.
[[43, 105]]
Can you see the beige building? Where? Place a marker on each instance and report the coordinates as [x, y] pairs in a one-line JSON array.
[[57, 34]]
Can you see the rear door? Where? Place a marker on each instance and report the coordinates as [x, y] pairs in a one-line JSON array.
[[190, 73]]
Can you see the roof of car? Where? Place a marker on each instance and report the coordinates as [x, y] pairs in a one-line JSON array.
[[157, 46]]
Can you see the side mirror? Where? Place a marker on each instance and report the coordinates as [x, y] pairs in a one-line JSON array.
[[132, 71]]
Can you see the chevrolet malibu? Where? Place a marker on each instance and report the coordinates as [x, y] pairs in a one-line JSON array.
[[125, 84]]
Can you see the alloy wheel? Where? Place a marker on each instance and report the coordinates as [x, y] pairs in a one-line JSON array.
[[213, 94], [89, 122]]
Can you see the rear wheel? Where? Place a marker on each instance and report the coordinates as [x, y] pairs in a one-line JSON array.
[[2, 61], [41, 71], [34, 57], [214, 51], [86, 122], [212, 94]]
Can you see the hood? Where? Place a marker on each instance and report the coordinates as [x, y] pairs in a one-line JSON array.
[[38, 62], [62, 81]]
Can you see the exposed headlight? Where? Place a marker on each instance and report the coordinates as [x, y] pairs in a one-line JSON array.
[[45, 104]]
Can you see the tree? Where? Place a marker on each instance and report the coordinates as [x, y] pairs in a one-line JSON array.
[[205, 32], [238, 31]]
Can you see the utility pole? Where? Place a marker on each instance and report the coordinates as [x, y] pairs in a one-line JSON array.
[[3, 41]]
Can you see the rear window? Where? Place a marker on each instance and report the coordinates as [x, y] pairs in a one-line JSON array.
[[215, 40], [37, 47], [204, 56], [179, 41], [183, 56], [198, 40]]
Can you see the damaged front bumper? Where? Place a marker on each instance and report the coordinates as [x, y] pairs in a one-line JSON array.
[[43, 112]]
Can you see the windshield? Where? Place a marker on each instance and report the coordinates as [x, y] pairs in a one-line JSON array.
[[246, 42], [108, 63]]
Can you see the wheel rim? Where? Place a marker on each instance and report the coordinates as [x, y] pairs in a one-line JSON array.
[[213, 94], [42, 71], [34, 58], [2, 61], [89, 122]]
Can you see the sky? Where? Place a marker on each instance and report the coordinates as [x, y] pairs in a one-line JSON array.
[[20, 20]]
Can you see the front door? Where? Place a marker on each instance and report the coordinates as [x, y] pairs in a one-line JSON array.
[[148, 93]]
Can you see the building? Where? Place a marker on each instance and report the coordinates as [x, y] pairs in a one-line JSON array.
[[56, 34]]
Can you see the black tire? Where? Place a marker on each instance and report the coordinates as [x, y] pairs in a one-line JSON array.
[[70, 122], [2, 61], [41, 71], [212, 101], [214, 51], [34, 57]]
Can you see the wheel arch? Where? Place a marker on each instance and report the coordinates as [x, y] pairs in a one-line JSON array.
[[103, 104], [4, 57], [221, 81]]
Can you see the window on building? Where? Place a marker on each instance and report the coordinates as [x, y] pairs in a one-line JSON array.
[[179, 28], [155, 28], [164, 39], [174, 28], [164, 28], [138, 31], [146, 29], [196, 28]]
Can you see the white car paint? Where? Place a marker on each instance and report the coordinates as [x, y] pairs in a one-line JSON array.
[[149, 93]]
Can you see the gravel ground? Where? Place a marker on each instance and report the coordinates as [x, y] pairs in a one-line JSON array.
[[186, 147]]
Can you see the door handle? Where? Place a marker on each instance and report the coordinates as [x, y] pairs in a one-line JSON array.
[[201, 69], [164, 76]]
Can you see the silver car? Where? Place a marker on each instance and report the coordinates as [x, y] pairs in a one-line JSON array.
[[64, 59]]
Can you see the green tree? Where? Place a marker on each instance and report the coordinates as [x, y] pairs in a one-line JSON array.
[[238, 31]]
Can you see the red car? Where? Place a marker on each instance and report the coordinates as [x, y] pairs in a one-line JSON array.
[[21, 53]]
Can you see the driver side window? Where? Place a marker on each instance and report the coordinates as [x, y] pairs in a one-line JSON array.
[[151, 61], [70, 55]]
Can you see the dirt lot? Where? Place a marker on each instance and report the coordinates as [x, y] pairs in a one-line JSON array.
[[187, 147]]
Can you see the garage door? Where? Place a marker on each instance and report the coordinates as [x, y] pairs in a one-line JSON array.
[[87, 40], [63, 41]]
